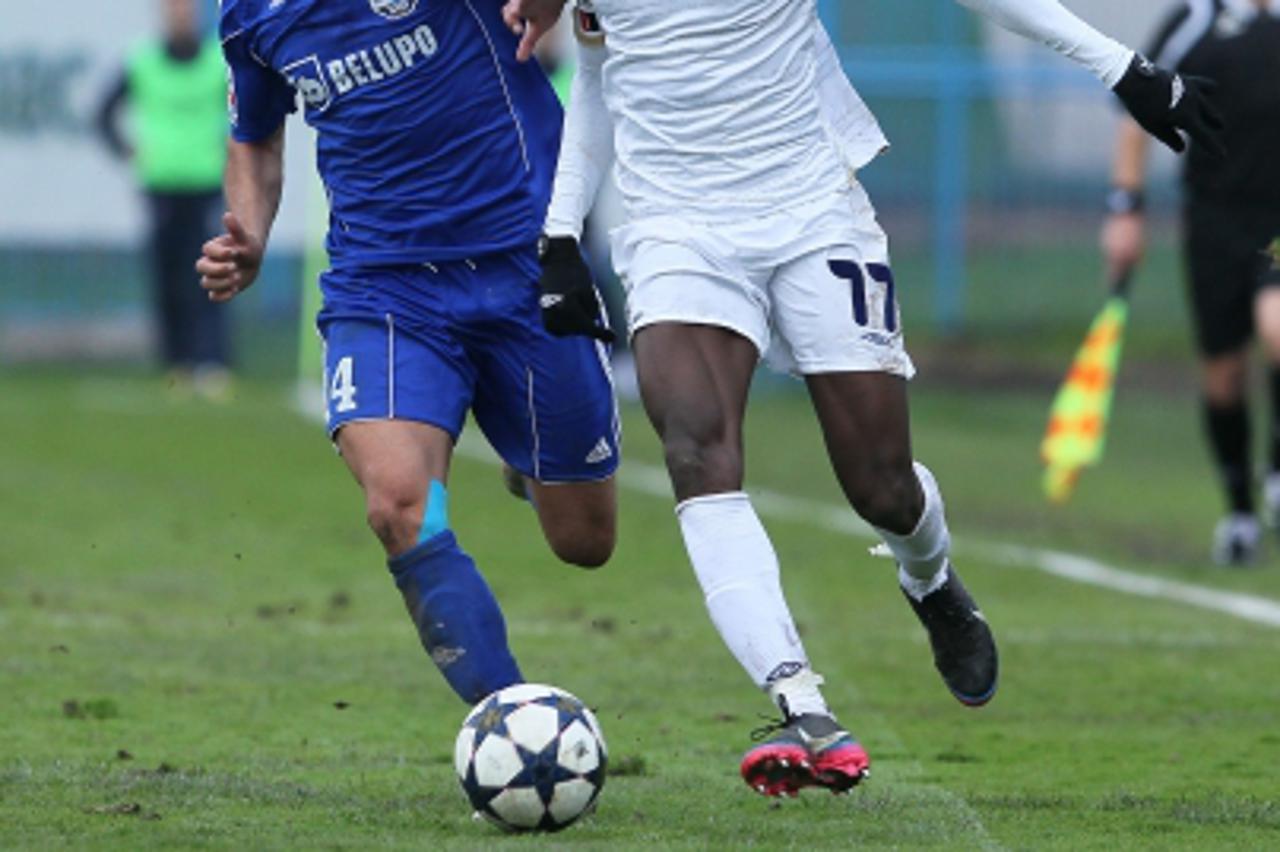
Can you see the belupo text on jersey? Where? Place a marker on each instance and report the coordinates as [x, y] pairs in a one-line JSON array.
[[318, 81]]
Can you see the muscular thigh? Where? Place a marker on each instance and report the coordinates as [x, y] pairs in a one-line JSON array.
[[864, 417], [396, 455], [694, 380], [396, 462], [866, 427], [694, 377]]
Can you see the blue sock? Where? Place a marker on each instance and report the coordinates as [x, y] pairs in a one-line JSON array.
[[457, 617]]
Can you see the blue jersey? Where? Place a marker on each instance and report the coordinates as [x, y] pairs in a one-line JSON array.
[[434, 143]]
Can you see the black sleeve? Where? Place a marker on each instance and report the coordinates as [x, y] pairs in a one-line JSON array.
[[108, 118], [1174, 20]]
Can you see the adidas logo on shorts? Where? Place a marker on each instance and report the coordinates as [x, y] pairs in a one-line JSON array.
[[601, 452]]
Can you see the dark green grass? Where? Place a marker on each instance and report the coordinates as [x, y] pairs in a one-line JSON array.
[[202, 648]]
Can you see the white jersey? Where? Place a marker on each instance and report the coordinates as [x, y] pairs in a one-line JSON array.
[[719, 108]]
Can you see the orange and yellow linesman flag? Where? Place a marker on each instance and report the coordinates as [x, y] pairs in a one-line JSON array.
[[1077, 431]]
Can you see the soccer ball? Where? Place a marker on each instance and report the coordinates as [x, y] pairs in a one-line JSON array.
[[531, 758]]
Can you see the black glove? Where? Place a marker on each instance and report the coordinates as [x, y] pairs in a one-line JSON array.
[[1164, 103], [569, 301]]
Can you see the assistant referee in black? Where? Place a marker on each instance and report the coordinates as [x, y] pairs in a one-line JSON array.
[[1231, 214]]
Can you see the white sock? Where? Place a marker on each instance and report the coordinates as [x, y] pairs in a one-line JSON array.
[[738, 570], [922, 554], [799, 693]]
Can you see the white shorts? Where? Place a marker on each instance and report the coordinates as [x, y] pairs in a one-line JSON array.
[[810, 286]]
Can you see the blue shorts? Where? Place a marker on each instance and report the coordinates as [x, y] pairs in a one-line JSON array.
[[426, 343]]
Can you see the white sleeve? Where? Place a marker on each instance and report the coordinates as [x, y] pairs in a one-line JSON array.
[[1052, 24], [586, 148]]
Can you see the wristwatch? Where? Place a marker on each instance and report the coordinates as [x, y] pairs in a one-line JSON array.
[[1125, 202]]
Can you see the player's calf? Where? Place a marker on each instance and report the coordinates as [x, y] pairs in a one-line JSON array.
[[887, 496], [578, 519], [457, 617]]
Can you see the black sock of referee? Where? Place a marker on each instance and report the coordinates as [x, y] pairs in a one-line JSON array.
[[1273, 381], [1228, 430]]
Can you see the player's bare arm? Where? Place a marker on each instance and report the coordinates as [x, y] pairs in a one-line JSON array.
[[253, 184], [1124, 239], [1166, 105], [531, 20]]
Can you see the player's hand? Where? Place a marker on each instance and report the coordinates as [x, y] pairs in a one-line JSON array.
[[569, 301], [1165, 103], [229, 262], [1124, 242], [531, 20]]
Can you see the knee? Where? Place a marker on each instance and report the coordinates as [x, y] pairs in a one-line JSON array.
[[1224, 380], [701, 466], [585, 539], [590, 549], [395, 516], [889, 498]]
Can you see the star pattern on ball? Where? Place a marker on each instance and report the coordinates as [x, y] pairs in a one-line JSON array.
[[530, 758]]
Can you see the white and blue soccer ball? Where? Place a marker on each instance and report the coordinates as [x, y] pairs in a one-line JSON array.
[[531, 758]]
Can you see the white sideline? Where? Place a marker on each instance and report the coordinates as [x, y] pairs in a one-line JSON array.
[[652, 481]]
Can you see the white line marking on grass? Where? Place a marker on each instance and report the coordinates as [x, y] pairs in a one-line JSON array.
[[652, 481], [1082, 569]]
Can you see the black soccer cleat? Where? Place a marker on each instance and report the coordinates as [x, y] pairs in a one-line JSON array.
[[964, 650]]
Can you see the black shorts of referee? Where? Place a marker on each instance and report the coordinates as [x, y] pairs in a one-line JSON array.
[[1226, 252]]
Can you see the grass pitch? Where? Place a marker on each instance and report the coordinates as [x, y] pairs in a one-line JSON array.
[[202, 646]]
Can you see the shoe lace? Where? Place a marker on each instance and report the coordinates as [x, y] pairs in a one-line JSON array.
[[771, 726]]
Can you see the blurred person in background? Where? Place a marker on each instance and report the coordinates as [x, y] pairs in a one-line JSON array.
[[175, 91], [1231, 212]]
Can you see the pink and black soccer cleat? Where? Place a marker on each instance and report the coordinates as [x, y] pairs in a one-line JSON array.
[[809, 750]]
